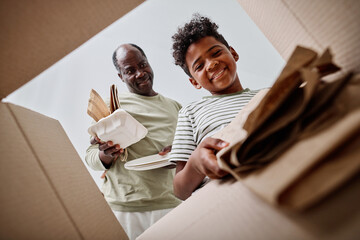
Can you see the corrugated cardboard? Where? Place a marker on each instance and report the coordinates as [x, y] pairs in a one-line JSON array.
[[36, 34], [314, 24], [45, 190], [227, 209]]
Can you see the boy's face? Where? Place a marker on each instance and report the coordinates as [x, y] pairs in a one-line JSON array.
[[213, 66]]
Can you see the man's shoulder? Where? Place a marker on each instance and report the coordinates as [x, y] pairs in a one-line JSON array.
[[170, 100]]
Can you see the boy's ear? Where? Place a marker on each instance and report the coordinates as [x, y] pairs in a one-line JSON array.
[[195, 83], [234, 54]]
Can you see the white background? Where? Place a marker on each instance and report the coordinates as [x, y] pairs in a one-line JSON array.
[[62, 91]]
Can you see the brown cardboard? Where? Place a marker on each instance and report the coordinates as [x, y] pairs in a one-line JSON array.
[[46, 191], [36, 34], [227, 209], [313, 24]]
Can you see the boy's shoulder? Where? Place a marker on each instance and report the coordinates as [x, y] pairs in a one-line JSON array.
[[194, 104], [206, 100]]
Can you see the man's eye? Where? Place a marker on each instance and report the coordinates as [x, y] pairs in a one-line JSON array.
[[128, 72], [143, 65]]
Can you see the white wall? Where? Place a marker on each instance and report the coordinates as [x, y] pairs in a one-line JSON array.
[[62, 91]]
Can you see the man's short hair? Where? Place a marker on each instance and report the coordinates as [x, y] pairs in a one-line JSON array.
[[114, 56]]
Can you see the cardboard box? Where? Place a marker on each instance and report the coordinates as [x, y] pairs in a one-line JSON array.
[[314, 24], [227, 209], [46, 191]]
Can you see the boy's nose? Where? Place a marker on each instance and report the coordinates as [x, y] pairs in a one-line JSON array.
[[212, 65]]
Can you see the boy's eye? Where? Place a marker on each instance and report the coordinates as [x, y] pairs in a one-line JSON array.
[[143, 65], [217, 53], [198, 67]]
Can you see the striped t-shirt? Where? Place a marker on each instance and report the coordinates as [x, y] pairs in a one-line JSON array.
[[204, 118]]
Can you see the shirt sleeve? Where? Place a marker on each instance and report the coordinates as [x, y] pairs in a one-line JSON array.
[[183, 144], [92, 158]]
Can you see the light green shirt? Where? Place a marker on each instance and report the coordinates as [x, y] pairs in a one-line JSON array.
[[138, 191]]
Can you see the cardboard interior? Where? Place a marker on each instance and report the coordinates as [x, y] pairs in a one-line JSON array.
[[313, 24], [36, 34], [46, 191], [227, 209]]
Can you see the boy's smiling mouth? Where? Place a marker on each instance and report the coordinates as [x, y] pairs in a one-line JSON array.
[[217, 74]]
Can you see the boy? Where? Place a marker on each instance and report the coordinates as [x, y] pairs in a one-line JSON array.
[[210, 62]]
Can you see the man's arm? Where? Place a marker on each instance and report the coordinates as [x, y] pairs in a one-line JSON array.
[[108, 152], [202, 162]]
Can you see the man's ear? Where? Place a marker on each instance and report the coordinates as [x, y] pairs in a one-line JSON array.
[[234, 54], [195, 83], [120, 76]]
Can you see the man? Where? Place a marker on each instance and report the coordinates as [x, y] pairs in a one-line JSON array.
[[138, 198]]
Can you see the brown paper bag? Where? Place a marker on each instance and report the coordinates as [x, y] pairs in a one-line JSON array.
[[114, 99], [97, 108], [294, 132]]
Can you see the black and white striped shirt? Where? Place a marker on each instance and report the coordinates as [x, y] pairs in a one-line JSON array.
[[204, 118]]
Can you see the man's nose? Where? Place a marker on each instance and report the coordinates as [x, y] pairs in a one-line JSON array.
[[139, 73]]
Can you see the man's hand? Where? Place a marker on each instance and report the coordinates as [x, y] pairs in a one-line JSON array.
[[203, 159], [108, 151], [165, 150]]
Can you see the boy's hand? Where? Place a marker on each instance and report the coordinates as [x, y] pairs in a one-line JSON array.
[[108, 151], [203, 159]]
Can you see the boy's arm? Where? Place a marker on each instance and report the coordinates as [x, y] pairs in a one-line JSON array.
[[201, 163]]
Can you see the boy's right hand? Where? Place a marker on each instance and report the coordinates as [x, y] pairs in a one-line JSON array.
[[108, 152], [204, 160]]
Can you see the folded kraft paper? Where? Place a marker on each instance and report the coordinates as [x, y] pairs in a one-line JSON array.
[[298, 141]]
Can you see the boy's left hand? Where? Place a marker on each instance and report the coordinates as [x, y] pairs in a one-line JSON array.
[[204, 160]]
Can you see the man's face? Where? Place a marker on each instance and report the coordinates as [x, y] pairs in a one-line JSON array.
[[135, 71], [213, 66]]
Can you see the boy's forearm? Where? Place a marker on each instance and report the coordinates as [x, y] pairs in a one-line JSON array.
[[186, 181]]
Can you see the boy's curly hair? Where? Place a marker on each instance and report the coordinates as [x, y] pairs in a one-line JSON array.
[[191, 32]]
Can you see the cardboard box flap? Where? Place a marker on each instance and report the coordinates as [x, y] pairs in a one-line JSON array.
[[227, 209], [36, 34], [314, 24], [19, 214], [48, 182]]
